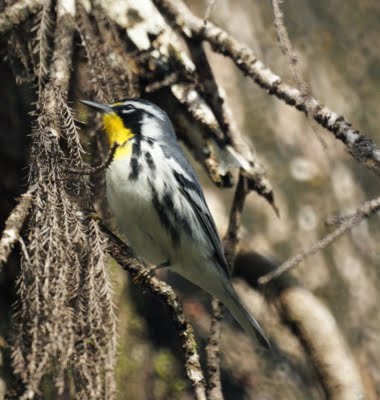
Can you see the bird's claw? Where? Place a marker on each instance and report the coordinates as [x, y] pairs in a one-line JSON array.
[[94, 216], [144, 275]]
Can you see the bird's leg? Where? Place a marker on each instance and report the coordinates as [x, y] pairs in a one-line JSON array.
[[94, 216], [143, 275], [163, 265], [148, 272], [93, 170]]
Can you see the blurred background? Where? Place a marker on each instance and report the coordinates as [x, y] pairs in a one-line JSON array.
[[312, 177]]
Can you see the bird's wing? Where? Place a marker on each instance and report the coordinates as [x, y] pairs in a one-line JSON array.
[[194, 195]]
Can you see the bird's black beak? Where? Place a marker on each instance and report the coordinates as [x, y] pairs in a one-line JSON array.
[[103, 108]]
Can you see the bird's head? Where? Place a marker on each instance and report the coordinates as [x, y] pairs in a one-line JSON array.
[[128, 118]]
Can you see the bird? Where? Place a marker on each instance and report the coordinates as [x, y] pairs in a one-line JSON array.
[[158, 204]]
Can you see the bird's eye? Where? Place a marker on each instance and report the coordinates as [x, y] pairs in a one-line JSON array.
[[127, 109]]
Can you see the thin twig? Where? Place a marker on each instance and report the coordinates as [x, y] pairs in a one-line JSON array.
[[13, 226], [360, 147], [288, 51], [103, 166], [169, 80], [231, 239], [210, 6], [124, 256], [214, 384], [17, 14], [286, 46], [338, 219], [231, 242], [365, 211]]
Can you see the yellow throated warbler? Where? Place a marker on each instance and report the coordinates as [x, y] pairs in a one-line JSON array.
[[159, 205]]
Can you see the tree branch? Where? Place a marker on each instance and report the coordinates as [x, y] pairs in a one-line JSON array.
[[214, 384], [63, 44], [231, 242], [124, 256], [288, 51], [216, 99], [365, 211], [286, 45], [360, 147], [318, 331], [231, 239], [17, 14], [324, 343], [13, 226]]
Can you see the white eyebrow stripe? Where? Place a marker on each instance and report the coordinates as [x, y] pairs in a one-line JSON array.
[[147, 108]]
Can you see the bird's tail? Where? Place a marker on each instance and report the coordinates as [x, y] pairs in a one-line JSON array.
[[242, 316]]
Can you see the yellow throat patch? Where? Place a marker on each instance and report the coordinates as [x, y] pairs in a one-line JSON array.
[[118, 133]]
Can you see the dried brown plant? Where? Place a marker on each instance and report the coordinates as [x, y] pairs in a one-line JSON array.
[[65, 330], [65, 318]]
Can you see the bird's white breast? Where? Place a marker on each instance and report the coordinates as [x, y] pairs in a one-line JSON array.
[[132, 203]]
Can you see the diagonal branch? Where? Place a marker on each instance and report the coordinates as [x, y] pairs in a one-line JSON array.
[[216, 99], [17, 14], [359, 146], [365, 211], [124, 256], [13, 226]]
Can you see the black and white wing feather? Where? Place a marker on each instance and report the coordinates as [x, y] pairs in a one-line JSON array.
[[192, 191]]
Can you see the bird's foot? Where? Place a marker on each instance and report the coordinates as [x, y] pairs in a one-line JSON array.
[[144, 275], [94, 216], [163, 265], [148, 272]]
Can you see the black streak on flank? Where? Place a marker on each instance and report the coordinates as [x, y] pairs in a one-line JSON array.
[[136, 153], [149, 161], [163, 213], [135, 169], [179, 220], [136, 149], [149, 140]]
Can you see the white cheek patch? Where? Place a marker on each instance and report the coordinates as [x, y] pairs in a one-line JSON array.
[[150, 127]]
